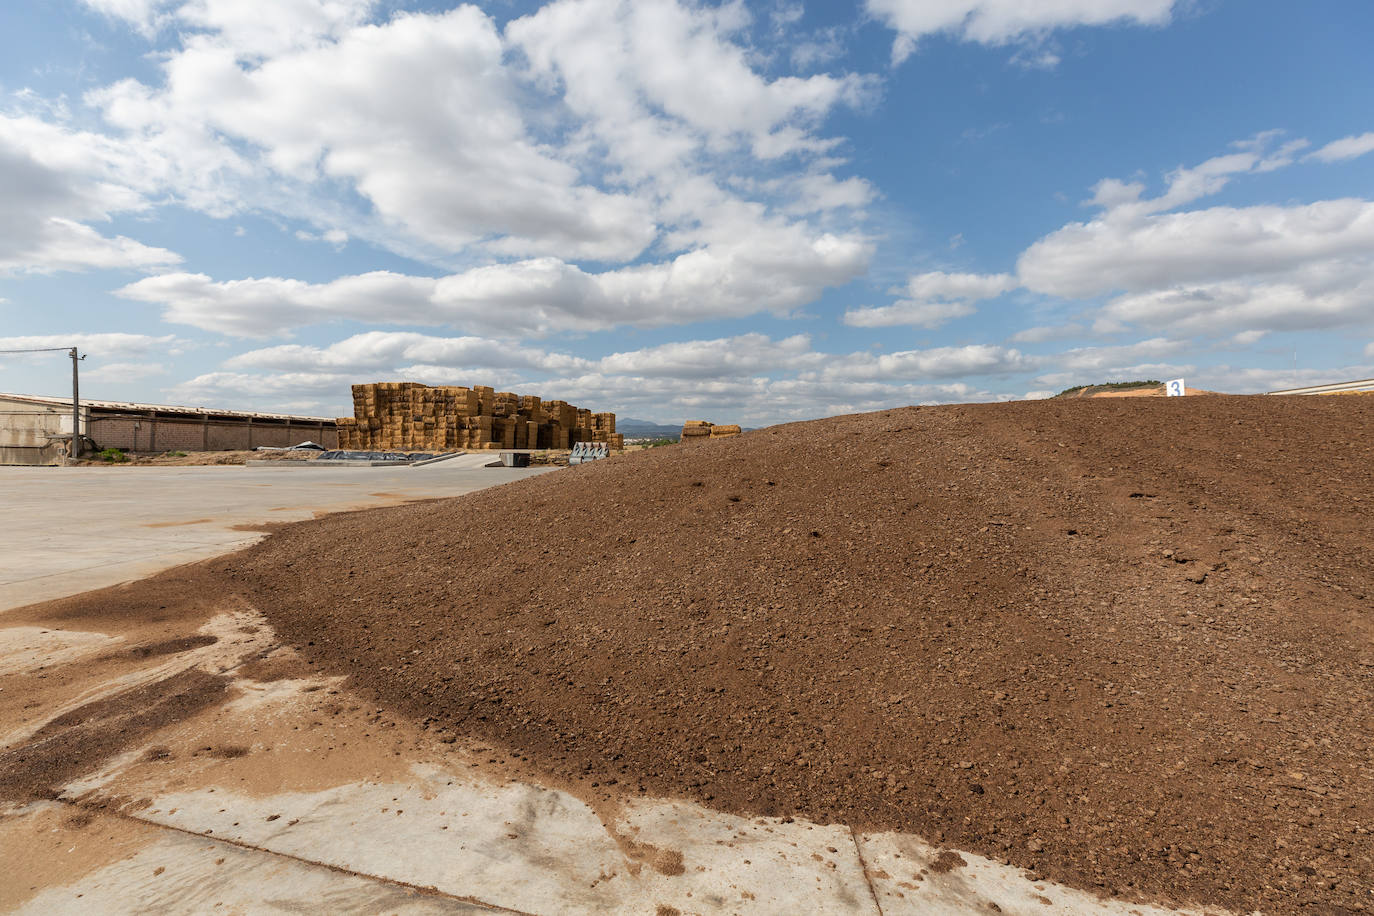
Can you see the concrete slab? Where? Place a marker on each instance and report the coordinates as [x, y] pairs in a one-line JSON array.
[[909, 876], [152, 871], [69, 530]]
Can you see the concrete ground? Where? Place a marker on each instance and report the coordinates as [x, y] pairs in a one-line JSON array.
[[295, 795], [69, 530]]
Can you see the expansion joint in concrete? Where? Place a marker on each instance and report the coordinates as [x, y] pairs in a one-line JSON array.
[[863, 866], [337, 869]]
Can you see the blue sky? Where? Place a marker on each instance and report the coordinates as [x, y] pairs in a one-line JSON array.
[[748, 212]]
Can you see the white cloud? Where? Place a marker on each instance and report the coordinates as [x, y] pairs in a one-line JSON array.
[[819, 49], [62, 244], [1345, 148], [375, 351], [1226, 272], [112, 345], [390, 350], [821, 192], [1037, 57], [266, 29], [1117, 357], [637, 71], [604, 164], [1306, 301], [144, 16], [423, 117], [52, 184], [746, 354], [336, 237], [124, 372], [776, 272], [590, 134], [747, 400], [419, 115], [1253, 380], [1122, 200], [958, 286], [1160, 251], [1243, 339], [998, 22], [906, 312], [933, 363], [932, 299], [1042, 333], [311, 391], [749, 378], [1282, 157]]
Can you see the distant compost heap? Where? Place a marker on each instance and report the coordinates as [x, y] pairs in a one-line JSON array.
[[1126, 644], [409, 416]]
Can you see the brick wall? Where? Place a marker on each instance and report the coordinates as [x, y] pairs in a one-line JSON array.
[[173, 434]]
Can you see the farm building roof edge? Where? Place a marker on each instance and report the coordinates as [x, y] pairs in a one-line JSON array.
[[98, 404]]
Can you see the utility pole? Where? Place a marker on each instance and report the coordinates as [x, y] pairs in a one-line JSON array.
[[76, 409]]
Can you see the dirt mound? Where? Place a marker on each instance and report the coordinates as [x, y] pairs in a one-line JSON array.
[[1142, 391], [1124, 643]]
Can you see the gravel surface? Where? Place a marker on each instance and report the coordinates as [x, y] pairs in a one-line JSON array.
[[1124, 643]]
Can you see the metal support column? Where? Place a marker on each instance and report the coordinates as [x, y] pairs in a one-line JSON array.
[[76, 408]]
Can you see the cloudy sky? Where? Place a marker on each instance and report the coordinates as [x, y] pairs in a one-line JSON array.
[[745, 212]]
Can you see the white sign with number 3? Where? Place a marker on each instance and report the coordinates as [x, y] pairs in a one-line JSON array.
[[1174, 388]]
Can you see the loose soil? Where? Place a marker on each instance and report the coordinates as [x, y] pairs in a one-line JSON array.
[[76, 742], [1124, 643]]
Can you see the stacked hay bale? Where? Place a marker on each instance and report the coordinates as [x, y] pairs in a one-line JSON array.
[[695, 431], [603, 430], [701, 430], [409, 416]]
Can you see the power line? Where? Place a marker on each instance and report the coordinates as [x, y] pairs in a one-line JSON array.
[[76, 396]]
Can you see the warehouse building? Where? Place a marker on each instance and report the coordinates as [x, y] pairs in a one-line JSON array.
[[37, 430]]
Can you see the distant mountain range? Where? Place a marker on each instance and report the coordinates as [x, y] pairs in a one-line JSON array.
[[646, 429]]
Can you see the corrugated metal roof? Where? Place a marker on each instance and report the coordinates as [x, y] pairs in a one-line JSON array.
[[1364, 384], [160, 408]]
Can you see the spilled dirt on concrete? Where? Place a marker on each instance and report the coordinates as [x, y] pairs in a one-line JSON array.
[[102, 643], [50, 845], [77, 741]]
